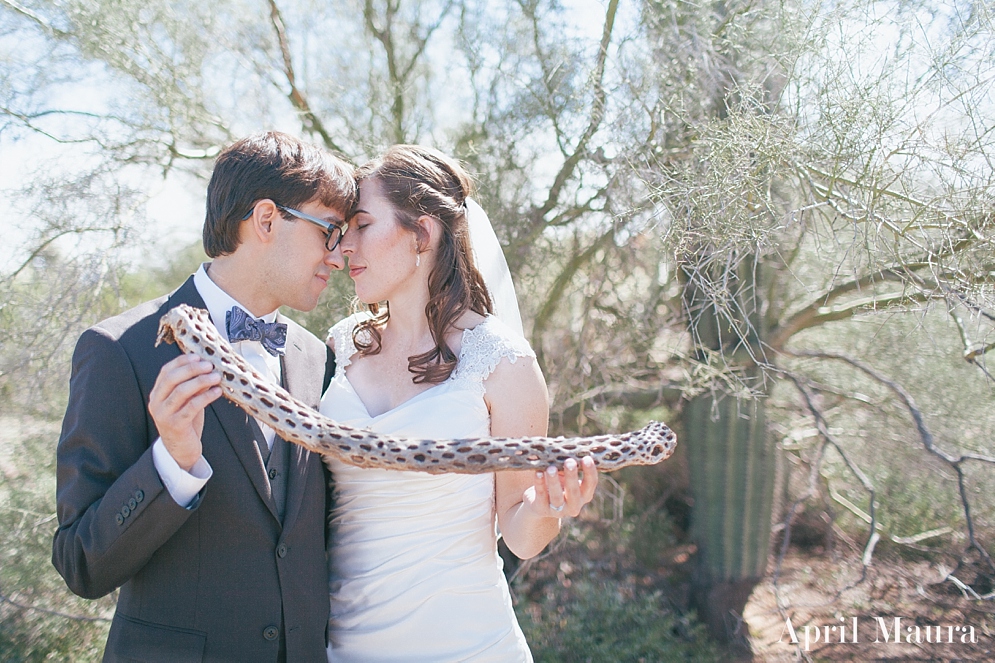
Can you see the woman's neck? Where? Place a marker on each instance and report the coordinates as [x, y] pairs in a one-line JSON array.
[[407, 328]]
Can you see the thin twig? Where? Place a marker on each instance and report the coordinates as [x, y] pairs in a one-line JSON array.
[[925, 435]]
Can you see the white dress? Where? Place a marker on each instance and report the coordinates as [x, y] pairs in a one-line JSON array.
[[414, 569]]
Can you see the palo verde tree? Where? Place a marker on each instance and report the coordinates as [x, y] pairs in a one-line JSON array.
[[809, 165]]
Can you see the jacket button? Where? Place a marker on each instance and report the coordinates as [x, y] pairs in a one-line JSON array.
[[271, 633], [119, 518], [281, 550], [132, 504], [272, 474], [125, 511], [139, 495]]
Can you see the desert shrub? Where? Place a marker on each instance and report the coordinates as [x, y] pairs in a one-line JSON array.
[[40, 619], [609, 622]]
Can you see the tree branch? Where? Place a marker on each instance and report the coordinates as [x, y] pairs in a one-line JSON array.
[[555, 294], [823, 428], [925, 436], [972, 351], [386, 37], [630, 396], [41, 22], [885, 192], [815, 315], [594, 122], [312, 123]]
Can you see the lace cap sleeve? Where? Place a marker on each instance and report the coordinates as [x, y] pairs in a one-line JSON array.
[[484, 347], [341, 337]]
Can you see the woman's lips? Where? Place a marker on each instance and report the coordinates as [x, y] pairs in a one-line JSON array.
[[356, 271]]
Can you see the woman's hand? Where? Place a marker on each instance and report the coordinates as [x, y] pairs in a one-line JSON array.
[[560, 495]]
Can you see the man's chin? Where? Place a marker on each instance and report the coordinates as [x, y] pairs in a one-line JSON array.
[[304, 305]]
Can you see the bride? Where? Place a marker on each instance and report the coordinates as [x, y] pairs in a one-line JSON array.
[[414, 569]]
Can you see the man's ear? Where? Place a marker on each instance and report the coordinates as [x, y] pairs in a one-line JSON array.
[[429, 233], [261, 224]]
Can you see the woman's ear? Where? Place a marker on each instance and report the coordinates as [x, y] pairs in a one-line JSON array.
[[429, 233]]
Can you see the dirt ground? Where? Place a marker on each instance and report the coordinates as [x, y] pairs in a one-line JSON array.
[[820, 592], [815, 588]]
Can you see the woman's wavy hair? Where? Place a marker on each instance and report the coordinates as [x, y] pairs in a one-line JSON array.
[[422, 181]]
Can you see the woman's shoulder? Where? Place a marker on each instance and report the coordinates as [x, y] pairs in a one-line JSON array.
[[492, 331], [485, 346]]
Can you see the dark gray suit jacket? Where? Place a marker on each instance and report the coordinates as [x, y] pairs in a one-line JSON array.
[[223, 580]]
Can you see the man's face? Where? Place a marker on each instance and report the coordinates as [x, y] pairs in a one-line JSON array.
[[300, 265]]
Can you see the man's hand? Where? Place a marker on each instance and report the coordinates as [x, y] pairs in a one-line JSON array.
[[185, 387]]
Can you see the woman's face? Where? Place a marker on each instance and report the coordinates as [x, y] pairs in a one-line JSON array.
[[381, 253]]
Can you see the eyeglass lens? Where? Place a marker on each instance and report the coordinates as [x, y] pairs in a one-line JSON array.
[[333, 238]]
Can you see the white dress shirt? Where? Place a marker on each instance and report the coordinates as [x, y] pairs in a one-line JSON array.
[[183, 486]]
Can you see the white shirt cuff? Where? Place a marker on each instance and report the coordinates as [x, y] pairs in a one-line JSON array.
[[183, 486]]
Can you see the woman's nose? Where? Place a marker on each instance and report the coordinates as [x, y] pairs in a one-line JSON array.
[[346, 245]]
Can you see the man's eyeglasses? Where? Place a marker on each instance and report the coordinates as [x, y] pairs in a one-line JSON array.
[[333, 231]]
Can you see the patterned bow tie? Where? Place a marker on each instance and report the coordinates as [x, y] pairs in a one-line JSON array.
[[243, 327]]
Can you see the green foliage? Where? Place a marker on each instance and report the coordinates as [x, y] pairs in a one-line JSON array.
[[604, 622], [650, 534], [915, 491], [33, 590]]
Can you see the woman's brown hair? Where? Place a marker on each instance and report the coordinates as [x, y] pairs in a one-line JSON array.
[[421, 181]]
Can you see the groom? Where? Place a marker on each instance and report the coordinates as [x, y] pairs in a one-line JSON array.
[[211, 525]]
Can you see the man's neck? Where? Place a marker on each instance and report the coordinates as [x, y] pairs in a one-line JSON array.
[[241, 283]]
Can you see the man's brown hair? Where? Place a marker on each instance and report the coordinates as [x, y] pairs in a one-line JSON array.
[[271, 165]]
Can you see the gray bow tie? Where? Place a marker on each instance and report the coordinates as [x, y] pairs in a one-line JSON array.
[[243, 327]]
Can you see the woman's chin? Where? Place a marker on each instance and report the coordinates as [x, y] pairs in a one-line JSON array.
[[367, 299]]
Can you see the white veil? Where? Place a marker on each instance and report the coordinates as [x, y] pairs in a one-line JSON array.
[[490, 261]]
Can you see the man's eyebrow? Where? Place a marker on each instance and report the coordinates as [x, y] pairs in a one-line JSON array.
[[358, 210]]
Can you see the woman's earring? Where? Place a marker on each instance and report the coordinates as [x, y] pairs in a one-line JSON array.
[[418, 259]]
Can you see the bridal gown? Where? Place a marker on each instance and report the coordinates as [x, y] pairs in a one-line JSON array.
[[414, 569]]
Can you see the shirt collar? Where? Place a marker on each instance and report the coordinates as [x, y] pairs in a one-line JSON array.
[[218, 301]]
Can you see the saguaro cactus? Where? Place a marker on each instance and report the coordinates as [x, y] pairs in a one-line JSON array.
[[732, 468], [732, 461]]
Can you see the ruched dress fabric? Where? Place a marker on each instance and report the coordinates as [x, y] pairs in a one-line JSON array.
[[414, 573]]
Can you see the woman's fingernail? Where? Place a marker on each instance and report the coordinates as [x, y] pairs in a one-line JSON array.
[[551, 471], [538, 475], [571, 464]]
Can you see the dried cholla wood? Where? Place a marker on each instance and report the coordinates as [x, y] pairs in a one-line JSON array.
[[193, 331]]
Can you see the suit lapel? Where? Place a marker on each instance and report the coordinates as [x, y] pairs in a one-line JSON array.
[[239, 431], [233, 420], [301, 378]]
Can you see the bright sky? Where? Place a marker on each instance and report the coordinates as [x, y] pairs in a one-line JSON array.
[[174, 211]]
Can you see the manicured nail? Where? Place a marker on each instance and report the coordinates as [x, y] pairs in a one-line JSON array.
[[539, 475], [571, 464], [551, 471]]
